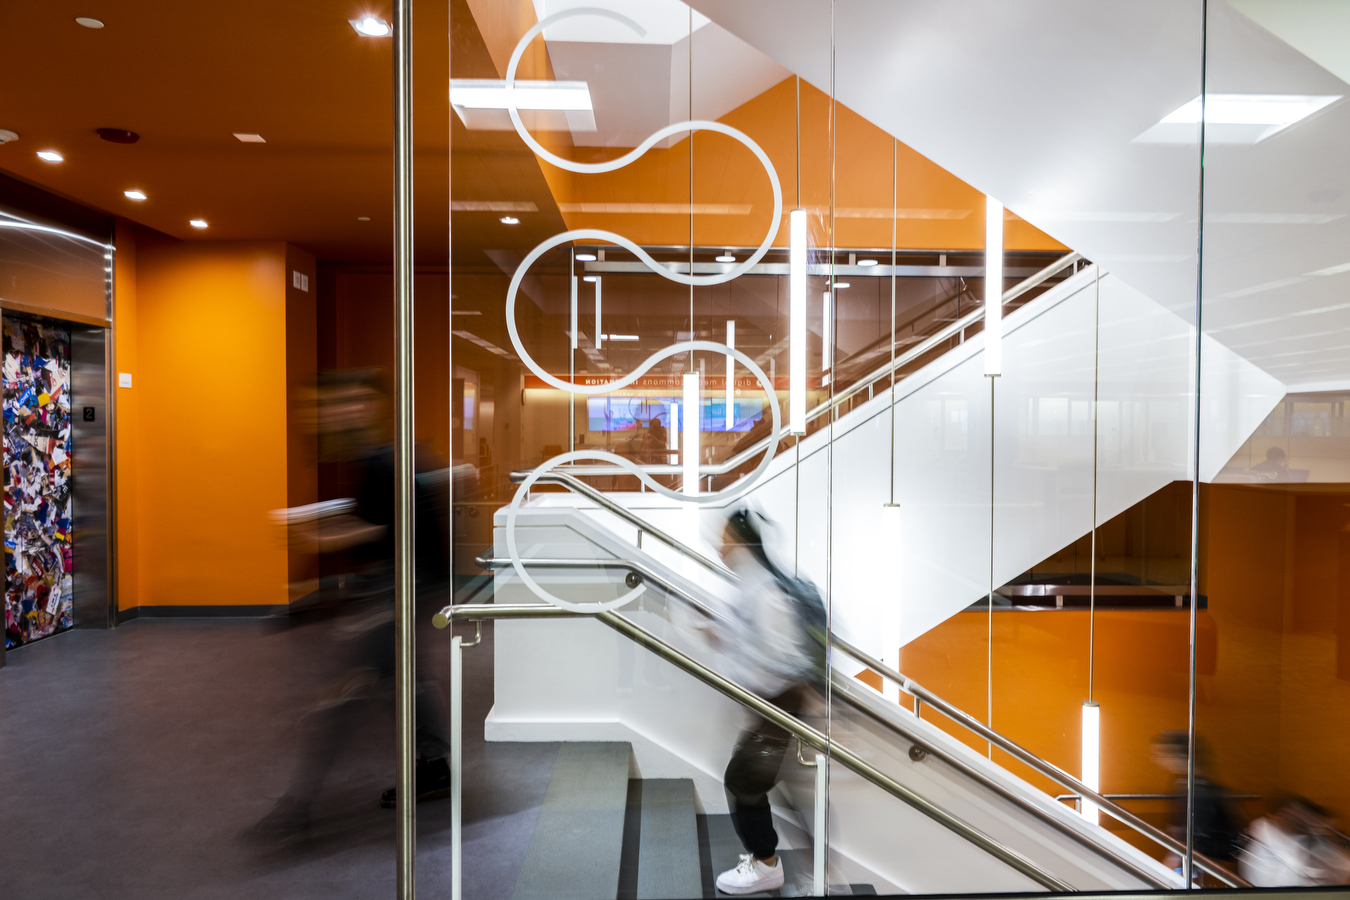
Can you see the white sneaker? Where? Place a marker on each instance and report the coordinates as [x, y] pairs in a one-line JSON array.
[[751, 876]]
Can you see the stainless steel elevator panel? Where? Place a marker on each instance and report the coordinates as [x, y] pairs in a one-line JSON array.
[[89, 458]]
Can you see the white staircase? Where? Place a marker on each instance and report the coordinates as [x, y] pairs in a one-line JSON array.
[[574, 680]]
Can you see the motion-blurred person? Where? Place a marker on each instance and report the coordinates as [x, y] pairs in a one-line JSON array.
[[773, 638], [350, 416], [654, 446], [1275, 467], [1218, 828], [1294, 847]]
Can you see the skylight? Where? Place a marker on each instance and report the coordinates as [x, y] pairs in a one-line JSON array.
[[481, 104], [1234, 118]]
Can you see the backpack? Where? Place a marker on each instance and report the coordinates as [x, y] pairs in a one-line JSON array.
[[814, 623], [808, 607]]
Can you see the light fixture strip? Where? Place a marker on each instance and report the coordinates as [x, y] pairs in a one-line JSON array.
[[827, 332], [1092, 740], [673, 431], [692, 408], [891, 619], [561, 96], [599, 331], [573, 331], [731, 376], [797, 321], [993, 287]]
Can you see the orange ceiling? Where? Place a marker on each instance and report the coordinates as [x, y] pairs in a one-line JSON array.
[[186, 76]]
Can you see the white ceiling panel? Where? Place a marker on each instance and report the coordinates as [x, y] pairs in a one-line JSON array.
[[1040, 103]]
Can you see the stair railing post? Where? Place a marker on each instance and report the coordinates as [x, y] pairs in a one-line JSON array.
[[822, 782], [456, 761]]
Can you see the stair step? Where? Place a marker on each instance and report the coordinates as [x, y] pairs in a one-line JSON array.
[[668, 853], [720, 850], [574, 853]]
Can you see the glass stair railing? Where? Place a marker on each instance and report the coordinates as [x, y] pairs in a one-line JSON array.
[[639, 570], [924, 345]]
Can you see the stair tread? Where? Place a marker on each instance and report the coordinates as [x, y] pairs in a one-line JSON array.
[[668, 855], [723, 850], [574, 852]]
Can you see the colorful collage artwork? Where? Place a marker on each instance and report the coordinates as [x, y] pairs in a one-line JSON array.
[[37, 480]]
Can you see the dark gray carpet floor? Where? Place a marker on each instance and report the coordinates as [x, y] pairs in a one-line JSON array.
[[134, 762]]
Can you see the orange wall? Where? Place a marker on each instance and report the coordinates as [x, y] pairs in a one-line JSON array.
[[939, 211], [363, 335], [1270, 703], [203, 445], [1040, 682]]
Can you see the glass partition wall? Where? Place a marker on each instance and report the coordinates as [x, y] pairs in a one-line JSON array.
[[1272, 511], [830, 432]]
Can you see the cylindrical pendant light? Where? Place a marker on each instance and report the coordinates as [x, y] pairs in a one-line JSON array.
[[1092, 744], [731, 376], [797, 321], [993, 287], [673, 431], [599, 329], [692, 408], [573, 332], [827, 335], [891, 548]]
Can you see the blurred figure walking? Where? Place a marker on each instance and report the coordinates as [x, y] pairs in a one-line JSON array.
[[1295, 847], [350, 413], [773, 638], [1218, 827]]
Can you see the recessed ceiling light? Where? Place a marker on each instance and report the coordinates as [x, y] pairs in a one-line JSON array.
[[198, 223], [474, 93], [134, 195], [363, 218], [585, 257], [50, 156], [88, 22], [840, 285], [509, 220], [725, 258], [867, 262], [371, 26], [250, 138], [1235, 118]]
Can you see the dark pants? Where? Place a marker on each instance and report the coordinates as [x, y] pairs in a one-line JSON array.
[[752, 773], [325, 728]]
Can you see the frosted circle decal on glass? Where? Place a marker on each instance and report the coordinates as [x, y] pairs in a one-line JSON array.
[[595, 234]]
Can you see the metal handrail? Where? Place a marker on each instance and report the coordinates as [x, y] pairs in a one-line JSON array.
[[1064, 797], [952, 712], [913, 353], [1049, 770], [598, 497], [644, 572], [443, 618], [794, 726]]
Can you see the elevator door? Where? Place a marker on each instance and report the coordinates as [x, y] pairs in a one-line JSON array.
[[37, 466]]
